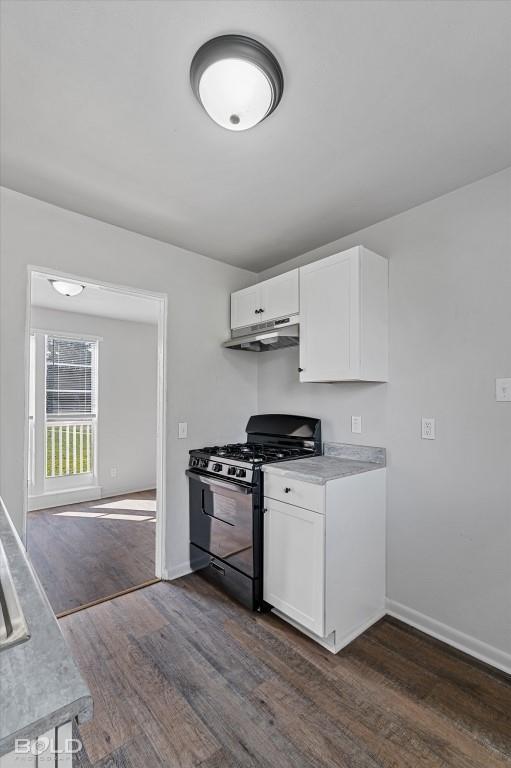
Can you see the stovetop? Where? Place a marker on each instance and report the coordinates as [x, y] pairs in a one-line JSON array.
[[271, 437], [239, 462], [254, 453]]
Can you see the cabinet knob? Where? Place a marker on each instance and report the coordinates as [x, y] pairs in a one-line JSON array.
[[261, 310], [300, 370], [287, 490]]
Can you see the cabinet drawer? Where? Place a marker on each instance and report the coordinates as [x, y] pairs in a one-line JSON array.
[[297, 492]]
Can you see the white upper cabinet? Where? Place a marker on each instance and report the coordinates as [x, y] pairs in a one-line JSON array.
[[280, 296], [344, 318], [269, 300], [244, 306]]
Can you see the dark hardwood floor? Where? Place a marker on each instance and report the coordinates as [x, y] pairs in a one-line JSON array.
[[86, 552], [181, 676]]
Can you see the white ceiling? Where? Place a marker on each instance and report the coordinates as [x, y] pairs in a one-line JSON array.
[[95, 300], [386, 105]]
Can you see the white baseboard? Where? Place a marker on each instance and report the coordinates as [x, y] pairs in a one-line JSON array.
[[176, 571], [64, 497], [123, 492], [77, 496], [463, 642]]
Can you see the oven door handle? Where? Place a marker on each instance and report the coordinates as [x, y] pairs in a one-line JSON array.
[[218, 483]]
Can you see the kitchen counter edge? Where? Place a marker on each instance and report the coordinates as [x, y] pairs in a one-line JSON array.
[[42, 668]]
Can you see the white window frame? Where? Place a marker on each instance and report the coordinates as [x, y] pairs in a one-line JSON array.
[[81, 479], [39, 484]]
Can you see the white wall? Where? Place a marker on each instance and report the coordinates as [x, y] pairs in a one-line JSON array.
[[211, 388], [127, 388], [449, 500]]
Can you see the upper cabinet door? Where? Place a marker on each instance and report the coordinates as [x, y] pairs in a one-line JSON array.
[[343, 317], [280, 296], [244, 307], [328, 319], [269, 300]]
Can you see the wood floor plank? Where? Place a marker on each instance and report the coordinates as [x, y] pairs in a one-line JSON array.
[[365, 723], [243, 671], [447, 663], [453, 745], [80, 558], [236, 724], [311, 729], [167, 718], [186, 678], [113, 724], [136, 753], [451, 697]]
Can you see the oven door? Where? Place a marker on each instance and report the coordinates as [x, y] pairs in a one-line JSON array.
[[222, 520]]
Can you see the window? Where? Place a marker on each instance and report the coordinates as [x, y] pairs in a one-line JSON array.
[[70, 406]]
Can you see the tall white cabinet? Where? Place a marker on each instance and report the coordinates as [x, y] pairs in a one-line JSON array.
[[344, 318]]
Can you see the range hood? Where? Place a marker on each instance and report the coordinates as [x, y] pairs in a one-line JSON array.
[[264, 337]]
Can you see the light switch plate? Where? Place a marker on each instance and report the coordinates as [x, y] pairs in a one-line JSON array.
[[182, 429], [428, 428], [503, 390], [356, 424]]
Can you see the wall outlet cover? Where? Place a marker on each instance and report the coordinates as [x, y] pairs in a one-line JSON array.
[[182, 430], [113, 471], [503, 390], [356, 424], [428, 428]]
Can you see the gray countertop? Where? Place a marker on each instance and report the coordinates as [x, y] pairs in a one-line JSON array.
[[339, 460], [41, 686]]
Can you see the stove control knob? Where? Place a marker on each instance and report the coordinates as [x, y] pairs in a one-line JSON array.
[[203, 463], [217, 467], [231, 471], [240, 473]]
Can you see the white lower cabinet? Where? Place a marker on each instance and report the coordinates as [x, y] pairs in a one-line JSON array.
[[294, 538], [324, 571]]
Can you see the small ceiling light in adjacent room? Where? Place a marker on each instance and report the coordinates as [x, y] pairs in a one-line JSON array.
[[237, 80], [67, 289]]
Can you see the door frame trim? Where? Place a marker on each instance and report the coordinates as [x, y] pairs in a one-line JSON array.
[[161, 400]]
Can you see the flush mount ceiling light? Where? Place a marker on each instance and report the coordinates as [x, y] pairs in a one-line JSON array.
[[67, 289], [237, 80]]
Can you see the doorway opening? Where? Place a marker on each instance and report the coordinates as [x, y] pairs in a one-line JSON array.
[[95, 438]]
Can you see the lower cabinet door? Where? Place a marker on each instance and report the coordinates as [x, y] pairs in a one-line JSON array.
[[294, 563]]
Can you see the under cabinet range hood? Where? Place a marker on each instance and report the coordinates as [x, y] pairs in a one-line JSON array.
[[264, 337]]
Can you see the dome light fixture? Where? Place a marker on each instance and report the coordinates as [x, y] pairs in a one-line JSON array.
[[67, 289], [237, 80]]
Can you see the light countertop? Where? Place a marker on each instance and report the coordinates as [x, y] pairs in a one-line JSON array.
[[41, 686], [339, 460]]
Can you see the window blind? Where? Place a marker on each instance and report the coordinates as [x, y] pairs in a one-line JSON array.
[[70, 377]]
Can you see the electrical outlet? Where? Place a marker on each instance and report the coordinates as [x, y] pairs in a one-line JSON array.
[[428, 428], [356, 424], [503, 390], [113, 471], [182, 429]]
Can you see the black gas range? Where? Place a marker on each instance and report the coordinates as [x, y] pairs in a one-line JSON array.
[[226, 500]]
